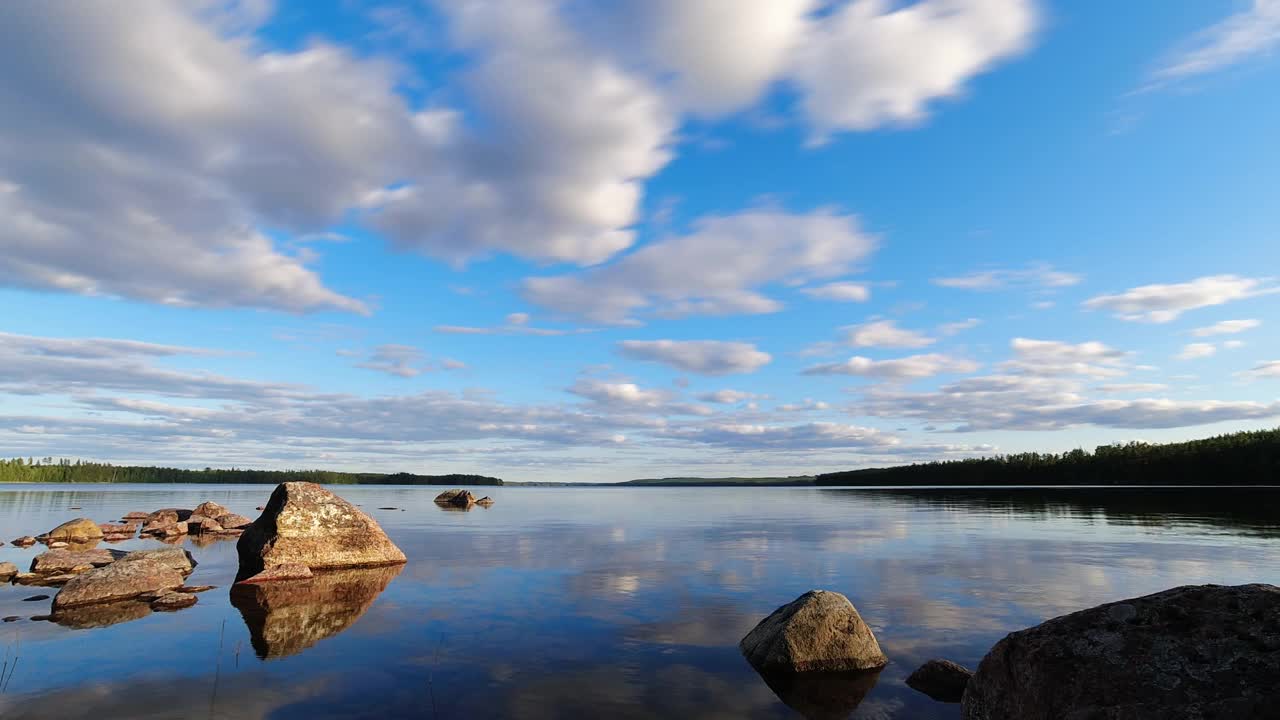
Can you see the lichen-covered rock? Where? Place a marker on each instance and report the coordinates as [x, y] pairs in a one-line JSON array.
[[941, 680], [820, 630], [232, 521], [456, 498], [1206, 651], [128, 577], [304, 524], [209, 509], [78, 530], [65, 561], [288, 617], [277, 573], [125, 529]]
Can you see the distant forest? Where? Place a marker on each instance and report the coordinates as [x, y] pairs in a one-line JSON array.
[[1243, 458], [47, 470]]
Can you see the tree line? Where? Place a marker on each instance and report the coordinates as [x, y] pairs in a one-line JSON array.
[[1242, 458], [49, 470]]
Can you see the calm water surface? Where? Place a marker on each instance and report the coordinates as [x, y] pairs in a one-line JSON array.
[[602, 602]]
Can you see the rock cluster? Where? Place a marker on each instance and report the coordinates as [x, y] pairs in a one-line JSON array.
[[208, 520], [1206, 651], [306, 525], [130, 576], [820, 630]]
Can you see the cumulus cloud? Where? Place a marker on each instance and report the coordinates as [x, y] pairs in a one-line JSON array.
[[870, 63], [1226, 327], [840, 292], [630, 397], [884, 334], [1241, 37], [1056, 358], [1195, 351], [908, 368], [1165, 303], [717, 269], [705, 357], [1036, 276]]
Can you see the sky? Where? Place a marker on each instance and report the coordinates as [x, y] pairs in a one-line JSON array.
[[589, 240]]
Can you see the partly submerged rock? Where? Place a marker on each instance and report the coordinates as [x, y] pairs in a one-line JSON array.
[[941, 680], [111, 529], [305, 524], [276, 573], [822, 695], [820, 630], [168, 515], [137, 515], [128, 577], [25, 541], [210, 509], [62, 561], [171, 601], [7, 571], [485, 501], [456, 498], [232, 521], [78, 530], [1206, 651], [199, 525], [289, 617]]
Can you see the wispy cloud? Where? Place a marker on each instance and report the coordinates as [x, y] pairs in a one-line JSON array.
[[1165, 303], [1239, 38], [1035, 276]]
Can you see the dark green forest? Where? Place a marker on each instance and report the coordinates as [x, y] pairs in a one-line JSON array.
[[1243, 458], [47, 470]]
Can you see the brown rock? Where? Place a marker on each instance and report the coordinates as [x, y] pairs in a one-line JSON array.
[[7, 571], [86, 617], [289, 617], [78, 530], [199, 524], [62, 561], [277, 573], [168, 515], [171, 601], [210, 509], [820, 630], [196, 588], [137, 515], [1206, 651], [128, 577], [27, 578], [304, 524], [25, 541], [485, 501], [58, 544], [457, 498], [127, 529], [232, 521], [941, 680]]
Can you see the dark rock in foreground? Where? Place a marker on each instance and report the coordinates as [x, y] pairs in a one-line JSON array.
[[941, 680], [304, 524], [820, 695], [286, 618], [1206, 651], [820, 630]]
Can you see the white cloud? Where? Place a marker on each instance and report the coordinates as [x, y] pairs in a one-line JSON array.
[[514, 324], [908, 368], [629, 397], [1195, 351], [1035, 276], [727, 397], [871, 63], [960, 326], [403, 361], [884, 334], [705, 357], [1226, 327], [1132, 388], [1165, 303], [807, 405], [1268, 370], [840, 292], [718, 269], [1243, 36], [788, 437], [1055, 358]]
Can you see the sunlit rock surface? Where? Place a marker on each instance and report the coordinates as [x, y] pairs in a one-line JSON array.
[[284, 618], [820, 630]]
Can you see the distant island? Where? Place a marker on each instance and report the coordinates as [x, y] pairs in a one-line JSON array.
[[1242, 458], [47, 470]]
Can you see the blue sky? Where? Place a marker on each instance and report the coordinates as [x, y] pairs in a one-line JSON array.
[[594, 241]]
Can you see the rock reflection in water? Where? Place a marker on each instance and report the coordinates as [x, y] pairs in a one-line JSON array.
[[99, 616], [818, 695], [286, 617]]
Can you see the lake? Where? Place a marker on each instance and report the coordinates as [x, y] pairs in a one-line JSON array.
[[610, 602]]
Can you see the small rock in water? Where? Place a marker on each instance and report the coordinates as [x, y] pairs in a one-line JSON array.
[[195, 588], [12, 618], [260, 508], [41, 618], [278, 572], [941, 680], [820, 630], [388, 508], [35, 598], [74, 507], [456, 498], [25, 541], [130, 576], [173, 601], [78, 530], [232, 521], [7, 571], [485, 501], [136, 515]]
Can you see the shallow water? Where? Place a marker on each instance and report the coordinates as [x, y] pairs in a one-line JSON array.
[[604, 602]]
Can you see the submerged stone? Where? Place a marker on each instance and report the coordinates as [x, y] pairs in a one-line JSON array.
[[1198, 651], [820, 630], [941, 680], [171, 601]]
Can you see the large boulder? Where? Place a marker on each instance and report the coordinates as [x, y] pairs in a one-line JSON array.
[[64, 561], [456, 498], [1206, 651], [941, 680], [820, 630], [78, 530], [304, 524], [132, 575]]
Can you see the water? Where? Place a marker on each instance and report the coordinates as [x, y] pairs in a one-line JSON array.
[[618, 603]]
